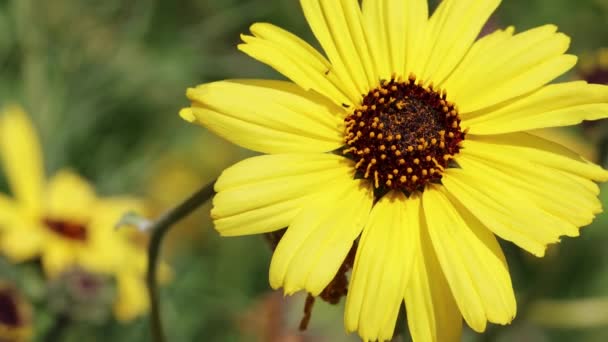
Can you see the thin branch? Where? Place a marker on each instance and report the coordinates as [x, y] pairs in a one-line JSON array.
[[159, 228]]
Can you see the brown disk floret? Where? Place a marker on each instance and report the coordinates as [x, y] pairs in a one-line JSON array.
[[403, 134], [67, 229]]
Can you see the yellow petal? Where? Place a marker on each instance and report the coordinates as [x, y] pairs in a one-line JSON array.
[[9, 210], [297, 60], [432, 313], [383, 266], [58, 257], [101, 233], [20, 242], [502, 67], [69, 197], [319, 238], [267, 116], [132, 297], [375, 23], [471, 260], [504, 211], [567, 197], [562, 104], [21, 157], [347, 51], [265, 193], [396, 31], [452, 29], [536, 150]]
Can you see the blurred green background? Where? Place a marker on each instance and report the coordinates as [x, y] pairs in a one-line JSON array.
[[104, 80]]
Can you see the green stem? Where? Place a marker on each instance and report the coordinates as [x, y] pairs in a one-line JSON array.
[[159, 228]]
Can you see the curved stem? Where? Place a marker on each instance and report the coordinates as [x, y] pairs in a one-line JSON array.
[[159, 228]]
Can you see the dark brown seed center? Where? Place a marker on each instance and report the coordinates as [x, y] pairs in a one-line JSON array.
[[9, 312], [403, 135], [70, 230]]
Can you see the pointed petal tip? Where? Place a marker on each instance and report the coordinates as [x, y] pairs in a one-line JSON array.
[[187, 114]]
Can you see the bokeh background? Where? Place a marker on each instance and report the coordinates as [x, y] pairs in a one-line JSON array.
[[103, 82]]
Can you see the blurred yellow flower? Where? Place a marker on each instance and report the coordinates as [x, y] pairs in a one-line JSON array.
[[410, 141], [15, 315], [62, 221]]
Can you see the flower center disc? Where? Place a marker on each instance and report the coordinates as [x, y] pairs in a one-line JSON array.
[[69, 230], [403, 135], [9, 313]]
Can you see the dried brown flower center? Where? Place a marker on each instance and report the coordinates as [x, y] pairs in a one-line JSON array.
[[70, 230], [403, 135], [9, 312]]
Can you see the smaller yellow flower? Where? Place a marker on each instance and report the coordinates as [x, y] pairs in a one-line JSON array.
[[62, 221], [15, 315]]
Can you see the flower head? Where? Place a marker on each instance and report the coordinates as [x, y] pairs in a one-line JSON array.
[[15, 315], [62, 221], [408, 138]]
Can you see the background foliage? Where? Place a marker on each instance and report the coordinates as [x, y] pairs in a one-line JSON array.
[[104, 80]]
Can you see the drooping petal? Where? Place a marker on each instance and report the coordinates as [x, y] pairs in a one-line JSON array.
[[132, 299], [337, 27], [562, 104], [21, 157], [69, 197], [297, 60], [535, 150], [321, 235], [432, 313], [264, 193], [267, 116], [503, 66], [471, 260], [452, 29], [383, 266]]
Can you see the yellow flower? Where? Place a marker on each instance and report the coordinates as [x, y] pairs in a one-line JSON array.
[[409, 139], [62, 221], [15, 315]]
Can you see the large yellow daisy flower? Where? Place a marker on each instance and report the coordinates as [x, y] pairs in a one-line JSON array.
[[62, 221], [409, 139]]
